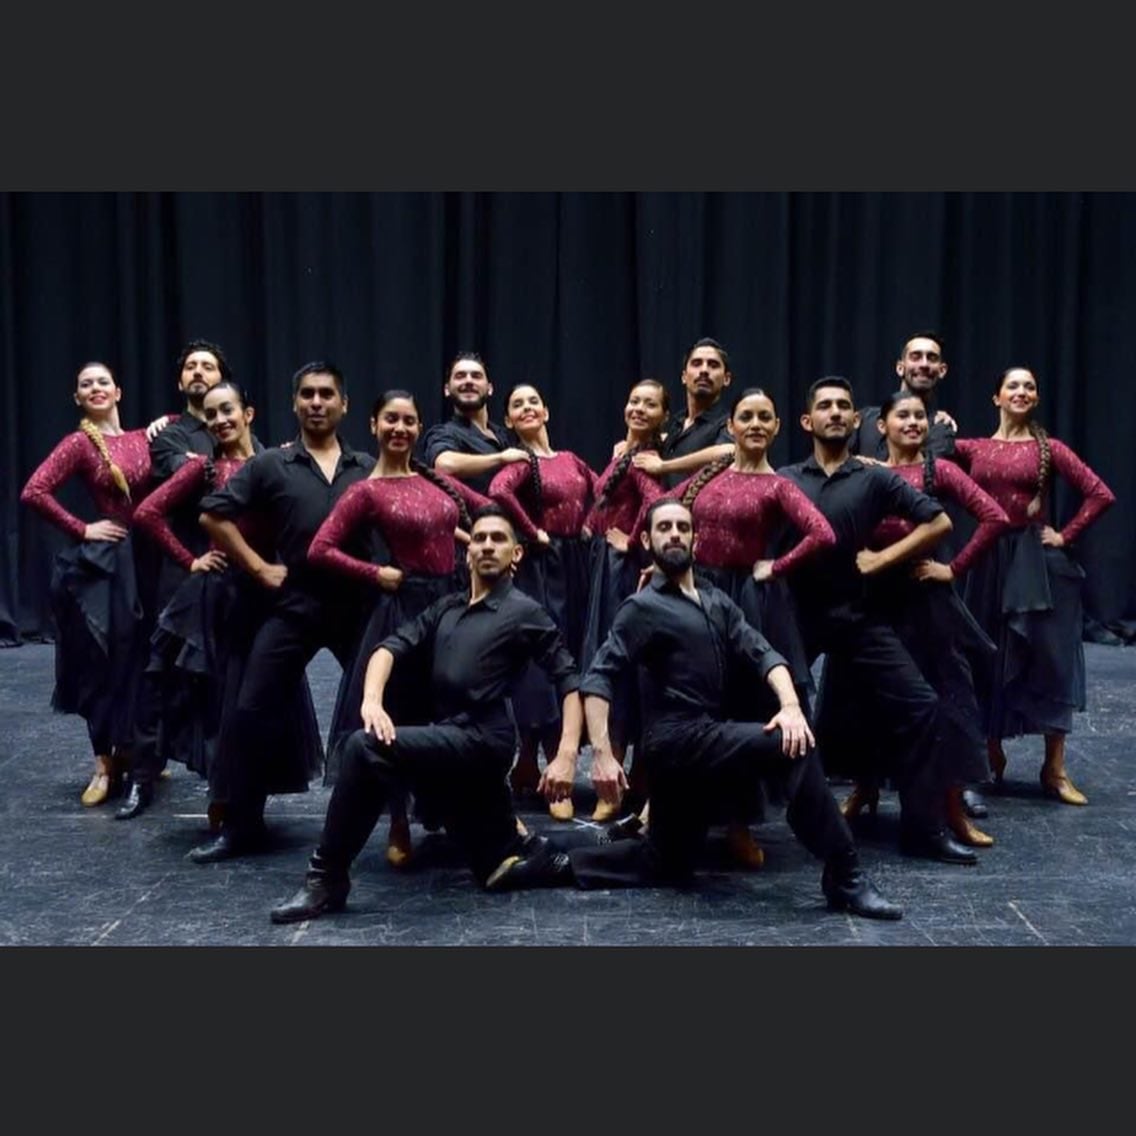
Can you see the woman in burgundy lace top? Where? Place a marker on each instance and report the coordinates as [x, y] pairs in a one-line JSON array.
[[623, 491], [934, 625], [97, 586], [418, 514], [200, 646], [1027, 593], [548, 498], [741, 509]]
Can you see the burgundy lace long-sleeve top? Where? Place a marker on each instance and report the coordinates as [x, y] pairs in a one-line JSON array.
[[568, 487], [76, 456], [635, 492], [952, 483], [1008, 472], [416, 519], [737, 514]]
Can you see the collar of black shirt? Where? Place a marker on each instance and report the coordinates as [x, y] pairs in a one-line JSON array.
[[497, 593], [347, 456], [851, 464], [467, 423], [719, 412]]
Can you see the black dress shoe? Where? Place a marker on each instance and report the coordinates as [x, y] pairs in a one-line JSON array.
[[973, 804], [140, 797], [537, 865], [852, 891], [936, 845], [229, 844], [320, 895]]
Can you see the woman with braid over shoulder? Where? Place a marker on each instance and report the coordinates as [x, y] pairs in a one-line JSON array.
[[920, 602], [418, 514], [623, 492], [548, 498], [1027, 593], [98, 586]]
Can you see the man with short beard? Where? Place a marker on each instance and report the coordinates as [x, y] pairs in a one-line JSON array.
[[469, 446], [690, 641], [476, 643]]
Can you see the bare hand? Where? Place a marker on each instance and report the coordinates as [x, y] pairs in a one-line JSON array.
[[796, 737], [272, 576], [868, 561], [558, 777], [932, 570], [608, 777], [377, 721], [618, 539], [943, 418], [645, 577], [870, 461], [389, 578], [514, 454], [461, 536], [763, 570], [586, 532], [649, 462], [212, 561], [105, 530], [156, 427], [619, 449], [542, 537], [1051, 538]]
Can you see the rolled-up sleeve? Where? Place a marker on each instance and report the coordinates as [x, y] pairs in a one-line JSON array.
[[619, 651]]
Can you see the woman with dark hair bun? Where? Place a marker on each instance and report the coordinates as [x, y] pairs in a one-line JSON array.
[[200, 646], [623, 491], [1027, 593], [548, 498], [919, 600], [100, 598], [418, 514]]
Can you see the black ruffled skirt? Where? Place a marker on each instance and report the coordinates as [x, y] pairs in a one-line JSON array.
[[101, 637], [199, 650], [1028, 599], [557, 576], [408, 698]]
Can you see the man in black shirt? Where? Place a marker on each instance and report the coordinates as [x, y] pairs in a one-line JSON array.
[[200, 367], [701, 436], [691, 643], [475, 644], [293, 489], [836, 618], [921, 367], [469, 446]]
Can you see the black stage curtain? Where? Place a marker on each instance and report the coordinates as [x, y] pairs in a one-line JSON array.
[[580, 293]]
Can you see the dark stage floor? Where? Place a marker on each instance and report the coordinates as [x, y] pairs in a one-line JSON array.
[[1058, 875]]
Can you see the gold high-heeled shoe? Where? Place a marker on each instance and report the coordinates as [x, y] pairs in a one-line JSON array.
[[604, 811], [562, 809], [966, 833], [98, 788], [398, 844], [861, 796], [1063, 790], [743, 848]]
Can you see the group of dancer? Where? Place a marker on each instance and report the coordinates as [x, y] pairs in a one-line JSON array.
[[489, 596]]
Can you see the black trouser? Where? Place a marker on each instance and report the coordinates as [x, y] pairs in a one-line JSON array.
[[460, 766], [251, 730], [899, 707], [694, 765], [146, 762]]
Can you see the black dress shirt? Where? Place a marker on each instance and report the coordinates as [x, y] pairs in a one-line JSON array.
[[477, 651], [460, 435], [288, 489], [707, 429], [689, 652], [854, 499]]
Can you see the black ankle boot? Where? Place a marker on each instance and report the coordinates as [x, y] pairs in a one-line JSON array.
[[847, 888], [324, 891], [139, 799]]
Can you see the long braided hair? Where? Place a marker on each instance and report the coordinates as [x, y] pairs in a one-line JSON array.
[[619, 472], [886, 407], [1044, 451], [708, 472], [88, 427], [419, 467], [533, 489]]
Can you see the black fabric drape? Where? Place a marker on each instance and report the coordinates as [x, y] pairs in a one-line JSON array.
[[579, 293]]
